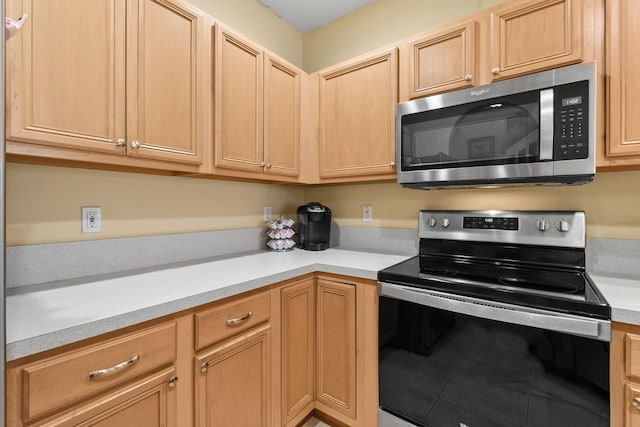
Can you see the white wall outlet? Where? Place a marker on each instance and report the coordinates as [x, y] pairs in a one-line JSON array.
[[367, 213], [267, 213], [91, 220]]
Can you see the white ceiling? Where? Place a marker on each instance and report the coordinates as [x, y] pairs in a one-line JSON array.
[[307, 15]]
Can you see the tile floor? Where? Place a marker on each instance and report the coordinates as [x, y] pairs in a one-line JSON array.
[[314, 422]]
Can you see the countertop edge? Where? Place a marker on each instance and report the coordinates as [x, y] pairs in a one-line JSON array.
[[30, 346]]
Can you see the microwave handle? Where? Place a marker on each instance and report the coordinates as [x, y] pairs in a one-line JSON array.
[[546, 124]]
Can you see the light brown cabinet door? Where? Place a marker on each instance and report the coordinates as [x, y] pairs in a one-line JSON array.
[[298, 342], [65, 74], [238, 102], [534, 36], [336, 347], [232, 382], [164, 80], [357, 117], [281, 117], [623, 61], [150, 402], [632, 405], [443, 61]]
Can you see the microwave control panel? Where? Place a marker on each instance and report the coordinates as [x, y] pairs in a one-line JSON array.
[[571, 128]]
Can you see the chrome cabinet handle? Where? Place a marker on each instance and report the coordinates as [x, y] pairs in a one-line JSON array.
[[636, 402], [262, 164], [468, 77], [237, 320], [112, 370], [121, 142], [495, 71], [172, 382], [392, 164], [135, 145], [268, 165], [204, 367]]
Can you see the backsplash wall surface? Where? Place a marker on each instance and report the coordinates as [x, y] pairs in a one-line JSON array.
[[43, 204], [611, 202]]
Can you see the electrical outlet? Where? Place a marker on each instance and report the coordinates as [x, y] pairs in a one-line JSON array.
[[267, 213], [91, 220], [367, 213]]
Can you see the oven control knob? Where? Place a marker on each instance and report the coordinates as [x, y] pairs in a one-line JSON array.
[[431, 222], [446, 223], [542, 225], [563, 226]]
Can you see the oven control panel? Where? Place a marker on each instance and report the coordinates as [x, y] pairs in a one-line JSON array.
[[550, 228], [490, 223]]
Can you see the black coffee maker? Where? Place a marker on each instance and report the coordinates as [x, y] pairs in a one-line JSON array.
[[314, 226]]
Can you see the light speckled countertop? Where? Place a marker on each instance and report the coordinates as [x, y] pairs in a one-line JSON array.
[[48, 316], [622, 293]]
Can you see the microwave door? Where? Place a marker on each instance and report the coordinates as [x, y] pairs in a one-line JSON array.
[[495, 133]]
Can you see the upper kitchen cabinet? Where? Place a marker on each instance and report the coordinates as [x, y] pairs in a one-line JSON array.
[[508, 40], [107, 79], [442, 61], [257, 110], [534, 36], [357, 101], [623, 103]]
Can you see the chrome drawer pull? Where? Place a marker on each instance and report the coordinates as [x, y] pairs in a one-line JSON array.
[[237, 320], [112, 370], [636, 402]]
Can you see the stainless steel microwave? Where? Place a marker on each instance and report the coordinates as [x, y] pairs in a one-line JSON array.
[[535, 129]]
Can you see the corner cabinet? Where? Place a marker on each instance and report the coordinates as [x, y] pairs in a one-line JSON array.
[[297, 314], [357, 118], [623, 103], [625, 375], [256, 110], [336, 344], [102, 84]]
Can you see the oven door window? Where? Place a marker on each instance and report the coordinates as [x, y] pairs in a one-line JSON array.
[[491, 132], [437, 368]]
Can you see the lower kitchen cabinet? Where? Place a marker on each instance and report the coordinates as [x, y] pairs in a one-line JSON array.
[[625, 375], [336, 344], [150, 402], [266, 358], [127, 380], [329, 350], [233, 382], [297, 343]]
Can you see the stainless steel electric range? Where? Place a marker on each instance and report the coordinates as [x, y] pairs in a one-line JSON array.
[[495, 323]]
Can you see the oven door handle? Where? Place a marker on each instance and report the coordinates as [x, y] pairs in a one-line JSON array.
[[502, 312]]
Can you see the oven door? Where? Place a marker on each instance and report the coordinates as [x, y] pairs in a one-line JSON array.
[[448, 360]]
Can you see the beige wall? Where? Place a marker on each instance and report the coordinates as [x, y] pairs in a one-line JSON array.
[[378, 24], [43, 204], [259, 24], [611, 202]]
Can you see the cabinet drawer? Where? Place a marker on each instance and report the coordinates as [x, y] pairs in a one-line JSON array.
[[632, 355], [64, 379], [228, 319]]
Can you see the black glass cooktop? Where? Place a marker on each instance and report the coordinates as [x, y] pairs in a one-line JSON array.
[[557, 287]]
